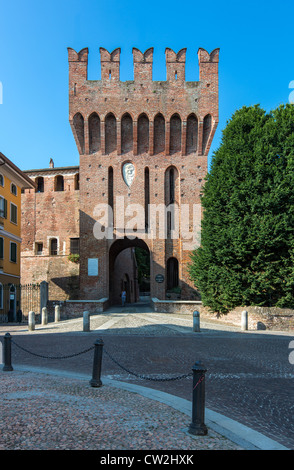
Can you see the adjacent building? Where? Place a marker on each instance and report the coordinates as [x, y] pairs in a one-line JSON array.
[[12, 182]]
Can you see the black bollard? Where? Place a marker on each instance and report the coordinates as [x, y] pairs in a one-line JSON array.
[[197, 427], [7, 353], [96, 375]]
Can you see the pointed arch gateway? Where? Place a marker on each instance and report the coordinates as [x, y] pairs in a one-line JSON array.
[[124, 266]]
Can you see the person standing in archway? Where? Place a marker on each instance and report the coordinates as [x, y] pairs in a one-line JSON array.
[[123, 298]]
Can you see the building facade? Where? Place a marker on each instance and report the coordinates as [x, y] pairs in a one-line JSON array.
[[12, 182], [143, 148]]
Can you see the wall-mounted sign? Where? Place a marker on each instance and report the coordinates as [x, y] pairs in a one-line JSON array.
[[93, 267], [159, 278]]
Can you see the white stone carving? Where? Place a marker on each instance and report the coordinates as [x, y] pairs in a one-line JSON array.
[[128, 173]]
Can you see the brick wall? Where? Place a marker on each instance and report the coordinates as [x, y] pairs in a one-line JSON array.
[[48, 215], [152, 124], [165, 129]]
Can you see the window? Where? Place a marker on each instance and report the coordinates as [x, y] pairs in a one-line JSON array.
[[94, 133], [13, 213], [39, 248], [172, 273], [126, 134], [13, 189], [78, 122], [192, 134], [77, 181], [175, 134], [143, 134], [1, 180], [3, 207], [147, 198], [206, 132], [159, 134], [110, 133], [59, 183], [40, 184], [75, 246], [1, 296], [1, 248], [13, 252], [53, 247]]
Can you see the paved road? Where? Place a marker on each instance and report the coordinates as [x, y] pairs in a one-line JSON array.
[[249, 377]]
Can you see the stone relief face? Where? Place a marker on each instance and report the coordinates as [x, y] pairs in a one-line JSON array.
[[128, 173]]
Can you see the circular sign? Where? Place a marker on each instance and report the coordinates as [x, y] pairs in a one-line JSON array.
[[159, 278]]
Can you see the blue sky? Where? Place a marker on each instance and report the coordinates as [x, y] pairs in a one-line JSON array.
[[256, 59]]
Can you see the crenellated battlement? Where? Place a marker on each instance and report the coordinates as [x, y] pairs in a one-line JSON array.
[[143, 63], [100, 108]]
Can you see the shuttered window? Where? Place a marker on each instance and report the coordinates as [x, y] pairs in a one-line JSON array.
[[13, 252]]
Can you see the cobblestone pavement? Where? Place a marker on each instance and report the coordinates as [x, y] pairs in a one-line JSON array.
[[46, 413], [249, 377]]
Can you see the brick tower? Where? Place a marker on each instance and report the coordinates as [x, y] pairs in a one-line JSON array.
[[143, 147]]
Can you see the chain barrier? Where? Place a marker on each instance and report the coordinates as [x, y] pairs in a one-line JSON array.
[[144, 377], [140, 376], [52, 357]]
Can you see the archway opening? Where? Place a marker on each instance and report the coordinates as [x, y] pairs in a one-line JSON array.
[[129, 270]]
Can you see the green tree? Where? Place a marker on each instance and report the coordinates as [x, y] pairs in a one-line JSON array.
[[247, 241]]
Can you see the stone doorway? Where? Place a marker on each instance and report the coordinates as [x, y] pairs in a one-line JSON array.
[[125, 270]]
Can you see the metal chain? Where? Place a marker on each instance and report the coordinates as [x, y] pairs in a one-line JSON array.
[[53, 357], [140, 376], [144, 377]]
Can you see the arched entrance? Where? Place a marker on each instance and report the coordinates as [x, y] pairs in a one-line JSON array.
[[129, 265]]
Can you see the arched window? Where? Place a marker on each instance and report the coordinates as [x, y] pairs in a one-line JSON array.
[[171, 196], [143, 134], [53, 246], [59, 183], [172, 273], [175, 134], [94, 133], [110, 187], [147, 197], [192, 134], [78, 122], [159, 134], [40, 184], [171, 189], [206, 132], [110, 134], [126, 134]]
